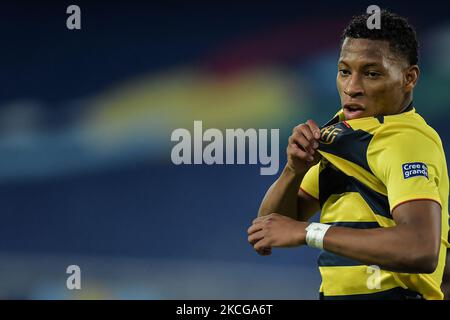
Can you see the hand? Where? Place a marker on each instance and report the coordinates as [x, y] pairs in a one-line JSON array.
[[301, 149], [275, 230]]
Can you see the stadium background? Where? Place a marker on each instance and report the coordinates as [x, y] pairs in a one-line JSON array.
[[85, 124]]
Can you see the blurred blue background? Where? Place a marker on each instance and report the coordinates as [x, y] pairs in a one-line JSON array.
[[85, 124]]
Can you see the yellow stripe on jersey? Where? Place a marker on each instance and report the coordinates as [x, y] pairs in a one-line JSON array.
[[337, 281], [355, 210]]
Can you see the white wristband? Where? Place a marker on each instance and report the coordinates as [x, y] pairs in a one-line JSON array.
[[315, 233]]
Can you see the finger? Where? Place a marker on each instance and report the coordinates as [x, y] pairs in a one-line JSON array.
[[307, 132], [302, 142], [303, 155], [261, 219], [255, 237], [265, 252], [261, 244], [296, 151], [303, 129], [254, 228], [293, 147], [314, 128]]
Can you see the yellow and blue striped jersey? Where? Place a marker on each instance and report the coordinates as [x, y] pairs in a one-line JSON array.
[[369, 166]]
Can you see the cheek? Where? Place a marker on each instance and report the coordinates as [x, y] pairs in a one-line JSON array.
[[392, 89], [385, 95], [379, 95], [389, 87], [382, 89], [395, 81], [339, 86]]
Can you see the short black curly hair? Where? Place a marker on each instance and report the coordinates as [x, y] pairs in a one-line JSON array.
[[395, 29]]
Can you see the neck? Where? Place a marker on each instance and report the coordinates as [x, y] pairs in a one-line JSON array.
[[406, 103], [406, 107]]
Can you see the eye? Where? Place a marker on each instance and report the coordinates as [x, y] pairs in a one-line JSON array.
[[373, 74], [344, 72]]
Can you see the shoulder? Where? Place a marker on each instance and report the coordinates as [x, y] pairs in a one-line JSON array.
[[405, 141], [404, 131]]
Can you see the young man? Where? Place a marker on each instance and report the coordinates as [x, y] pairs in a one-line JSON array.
[[377, 172]]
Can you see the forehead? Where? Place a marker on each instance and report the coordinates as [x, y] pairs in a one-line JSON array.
[[366, 51]]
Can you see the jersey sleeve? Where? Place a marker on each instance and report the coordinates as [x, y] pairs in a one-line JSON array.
[[409, 163], [310, 182]]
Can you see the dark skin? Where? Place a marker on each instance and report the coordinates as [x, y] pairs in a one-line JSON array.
[[446, 278], [372, 80]]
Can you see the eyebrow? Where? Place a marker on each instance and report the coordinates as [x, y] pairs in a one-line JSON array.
[[366, 65]]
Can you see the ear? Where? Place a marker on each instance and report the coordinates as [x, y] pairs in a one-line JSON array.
[[411, 77]]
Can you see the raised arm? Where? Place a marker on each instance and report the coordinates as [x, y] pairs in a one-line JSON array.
[[284, 196]]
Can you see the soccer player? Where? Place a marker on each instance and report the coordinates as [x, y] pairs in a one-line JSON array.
[[376, 171]]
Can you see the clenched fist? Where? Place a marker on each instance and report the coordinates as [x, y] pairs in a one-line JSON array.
[[275, 230], [302, 146]]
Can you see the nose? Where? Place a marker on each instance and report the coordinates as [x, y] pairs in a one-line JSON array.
[[353, 86]]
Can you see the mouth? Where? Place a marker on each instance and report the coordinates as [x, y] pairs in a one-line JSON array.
[[353, 110]]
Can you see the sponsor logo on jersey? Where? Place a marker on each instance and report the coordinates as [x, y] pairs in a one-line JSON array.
[[414, 169]]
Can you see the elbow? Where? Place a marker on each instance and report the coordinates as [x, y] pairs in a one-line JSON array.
[[424, 261]]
